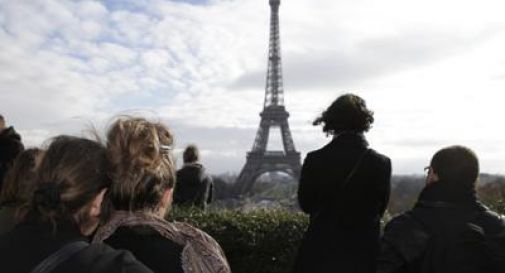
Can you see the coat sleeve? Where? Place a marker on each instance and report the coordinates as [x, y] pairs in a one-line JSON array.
[[210, 190], [386, 182], [307, 189], [204, 192]]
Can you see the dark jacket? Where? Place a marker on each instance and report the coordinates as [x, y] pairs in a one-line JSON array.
[[194, 187], [147, 245], [22, 249], [427, 238], [344, 223], [10, 147]]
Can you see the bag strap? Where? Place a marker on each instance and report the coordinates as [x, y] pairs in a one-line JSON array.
[[58, 257], [348, 178], [354, 169]]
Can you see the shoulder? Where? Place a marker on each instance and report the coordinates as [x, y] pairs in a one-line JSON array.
[[202, 249], [379, 157], [491, 222], [10, 134], [193, 234], [406, 235]]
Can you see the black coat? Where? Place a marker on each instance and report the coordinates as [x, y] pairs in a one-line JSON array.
[[22, 249], [10, 147], [344, 223], [194, 187], [154, 250], [420, 239]]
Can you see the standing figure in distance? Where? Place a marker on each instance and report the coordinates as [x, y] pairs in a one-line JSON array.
[[194, 185], [344, 187]]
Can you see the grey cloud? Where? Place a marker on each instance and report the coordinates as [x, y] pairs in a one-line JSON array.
[[367, 60]]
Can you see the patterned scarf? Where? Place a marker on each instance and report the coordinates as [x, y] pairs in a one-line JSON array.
[[201, 253]]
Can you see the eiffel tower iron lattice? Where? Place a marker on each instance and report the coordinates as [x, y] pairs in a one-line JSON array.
[[274, 115]]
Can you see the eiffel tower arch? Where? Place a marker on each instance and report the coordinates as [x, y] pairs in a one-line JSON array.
[[274, 115]]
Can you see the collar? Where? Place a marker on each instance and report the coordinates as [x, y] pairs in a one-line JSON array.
[[349, 138], [193, 164], [447, 193]]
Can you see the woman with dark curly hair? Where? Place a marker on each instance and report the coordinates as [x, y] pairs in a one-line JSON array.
[[344, 187]]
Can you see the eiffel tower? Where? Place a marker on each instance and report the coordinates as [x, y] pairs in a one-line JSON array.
[[274, 115]]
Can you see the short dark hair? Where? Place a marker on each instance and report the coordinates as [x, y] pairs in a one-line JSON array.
[[456, 164], [2, 118], [191, 154], [347, 113]]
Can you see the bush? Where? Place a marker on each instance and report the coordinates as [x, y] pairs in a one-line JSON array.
[[261, 240], [258, 241]]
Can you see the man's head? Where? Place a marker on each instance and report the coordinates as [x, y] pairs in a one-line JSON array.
[[454, 164], [191, 154], [2, 122]]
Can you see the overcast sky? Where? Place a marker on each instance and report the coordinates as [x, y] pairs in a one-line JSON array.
[[433, 71]]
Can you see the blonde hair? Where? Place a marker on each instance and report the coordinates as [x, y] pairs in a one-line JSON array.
[[139, 163]]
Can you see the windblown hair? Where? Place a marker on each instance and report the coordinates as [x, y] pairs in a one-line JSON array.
[[140, 163], [191, 154], [457, 164], [347, 113], [20, 181], [72, 173]]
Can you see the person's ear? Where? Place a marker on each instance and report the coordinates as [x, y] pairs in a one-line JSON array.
[[96, 204]]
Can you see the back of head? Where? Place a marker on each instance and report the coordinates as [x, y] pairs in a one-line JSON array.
[[140, 163], [456, 164], [72, 173], [348, 113], [191, 154], [21, 178]]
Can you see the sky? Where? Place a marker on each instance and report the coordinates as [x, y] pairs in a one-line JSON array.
[[432, 71]]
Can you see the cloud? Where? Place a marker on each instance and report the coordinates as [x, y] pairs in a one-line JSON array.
[[200, 66], [368, 59]]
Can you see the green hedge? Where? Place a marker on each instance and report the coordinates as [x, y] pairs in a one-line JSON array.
[[258, 241]]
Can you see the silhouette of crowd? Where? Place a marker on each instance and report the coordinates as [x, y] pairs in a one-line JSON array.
[[83, 205]]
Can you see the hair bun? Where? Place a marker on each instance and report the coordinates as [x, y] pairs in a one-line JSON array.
[[47, 195]]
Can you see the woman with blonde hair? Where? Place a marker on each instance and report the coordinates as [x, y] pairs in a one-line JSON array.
[[143, 179]]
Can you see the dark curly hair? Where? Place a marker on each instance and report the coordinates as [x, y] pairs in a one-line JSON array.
[[347, 113]]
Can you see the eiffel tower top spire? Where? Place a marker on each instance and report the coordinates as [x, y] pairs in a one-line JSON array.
[[274, 91]]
